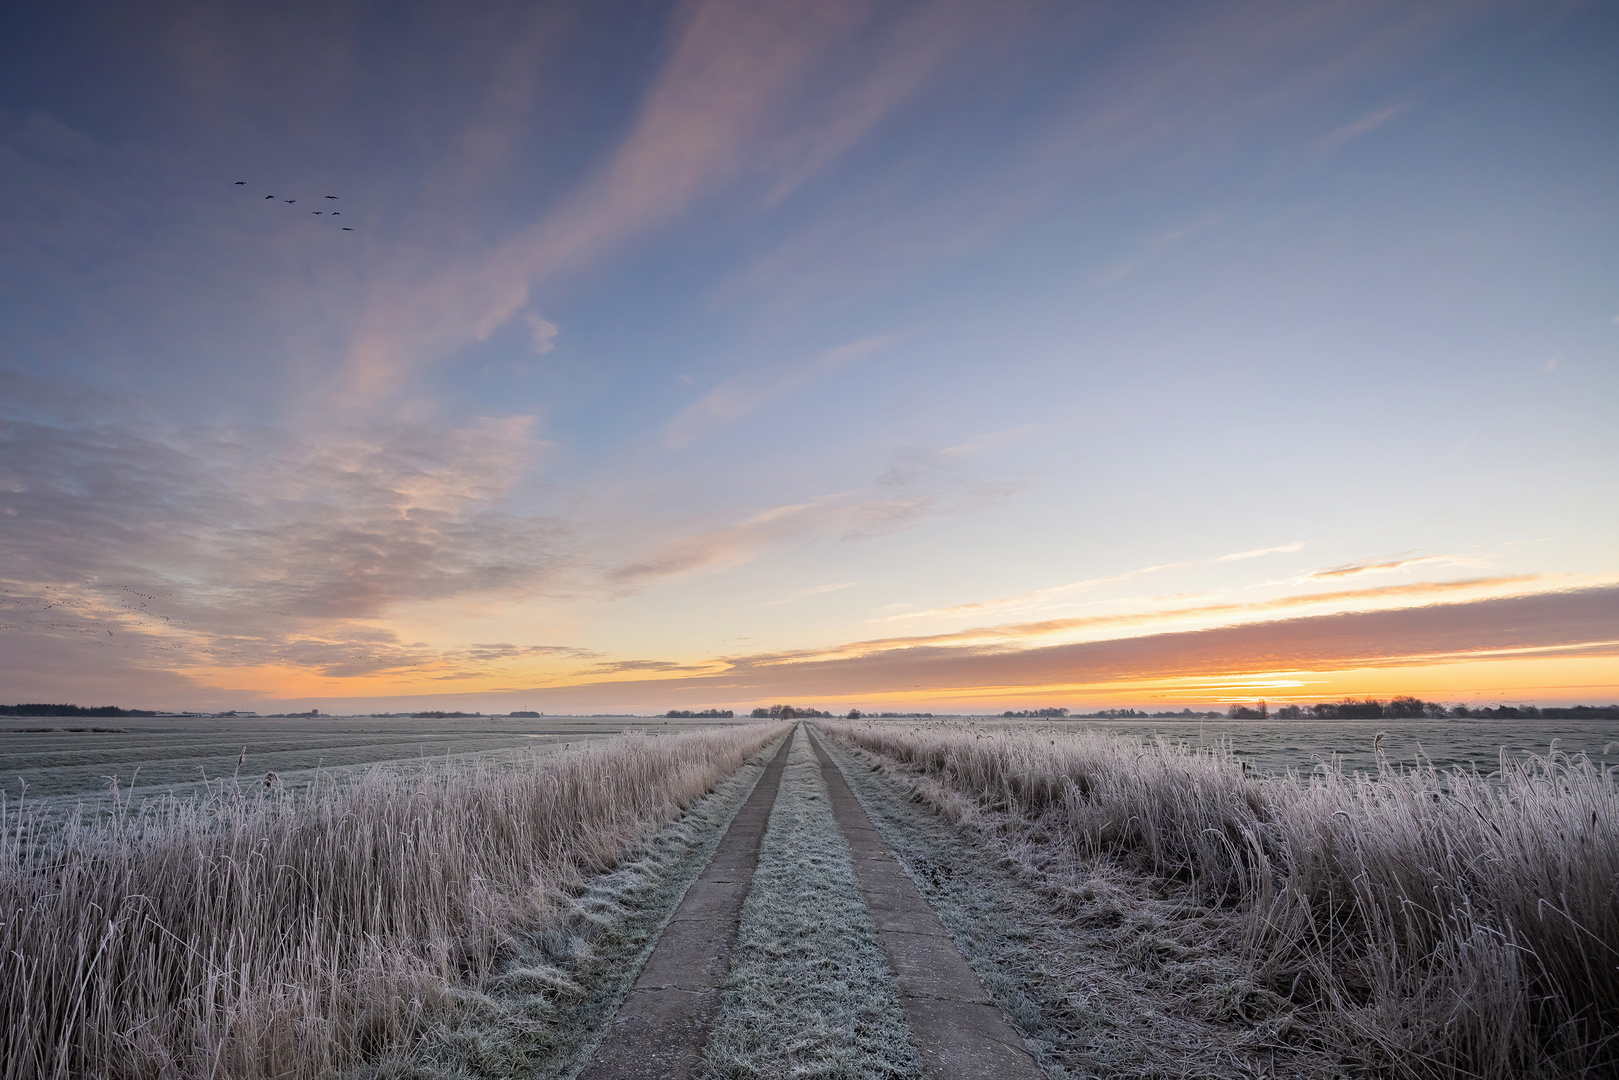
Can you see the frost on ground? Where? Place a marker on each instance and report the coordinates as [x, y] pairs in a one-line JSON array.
[[811, 994], [1105, 972], [554, 992]]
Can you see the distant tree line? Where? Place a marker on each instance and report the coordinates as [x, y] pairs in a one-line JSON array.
[[789, 712], [706, 714], [856, 714], [436, 715], [1036, 714], [1135, 714], [71, 710], [1413, 708]]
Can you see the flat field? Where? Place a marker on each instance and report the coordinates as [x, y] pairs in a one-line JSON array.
[[1275, 746], [68, 759]]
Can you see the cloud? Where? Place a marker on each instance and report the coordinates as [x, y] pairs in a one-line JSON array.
[[1010, 634], [1282, 549], [919, 484], [1572, 623], [1040, 597], [1361, 125], [252, 545], [544, 333], [1384, 565], [744, 393], [1154, 249], [805, 594], [734, 99]]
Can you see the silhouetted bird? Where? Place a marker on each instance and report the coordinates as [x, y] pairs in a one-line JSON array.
[[316, 212], [331, 196], [269, 196], [289, 200], [347, 229], [336, 212], [239, 183]]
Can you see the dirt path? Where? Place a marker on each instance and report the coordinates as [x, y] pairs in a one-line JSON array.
[[955, 1022], [659, 1031], [843, 968]]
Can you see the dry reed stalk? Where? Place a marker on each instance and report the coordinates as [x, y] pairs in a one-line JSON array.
[[268, 933], [1443, 923]]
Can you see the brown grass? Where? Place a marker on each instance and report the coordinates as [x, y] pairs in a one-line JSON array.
[[1430, 924], [259, 933]]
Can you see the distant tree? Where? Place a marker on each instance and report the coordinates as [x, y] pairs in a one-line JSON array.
[[760, 714], [1289, 712], [854, 714]]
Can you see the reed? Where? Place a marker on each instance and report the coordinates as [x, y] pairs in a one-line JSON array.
[[257, 932], [1435, 923]]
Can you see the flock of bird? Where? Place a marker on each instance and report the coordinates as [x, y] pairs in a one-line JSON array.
[[317, 213]]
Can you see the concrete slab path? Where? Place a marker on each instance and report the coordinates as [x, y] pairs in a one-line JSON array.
[[659, 1031], [955, 1023]]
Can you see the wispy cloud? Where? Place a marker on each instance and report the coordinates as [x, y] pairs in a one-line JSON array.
[[805, 594], [1361, 125], [1578, 623], [1004, 634], [1281, 549], [1040, 597], [1154, 249], [242, 545], [1384, 565], [730, 102], [744, 393], [919, 484]]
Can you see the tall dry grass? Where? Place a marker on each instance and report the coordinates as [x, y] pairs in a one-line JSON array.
[[255, 933], [1436, 923]]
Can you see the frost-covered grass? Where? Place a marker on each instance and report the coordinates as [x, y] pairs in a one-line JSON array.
[[1105, 973], [555, 987], [1422, 923], [810, 992], [265, 932]]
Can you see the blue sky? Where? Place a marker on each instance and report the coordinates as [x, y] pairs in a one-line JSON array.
[[680, 351]]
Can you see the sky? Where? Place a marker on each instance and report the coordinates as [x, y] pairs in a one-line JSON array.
[[957, 356]]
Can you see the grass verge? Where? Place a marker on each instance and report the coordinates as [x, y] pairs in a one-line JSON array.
[[810, 993], [1104, 973], [272, 933], [1413, 923], [556, 986]]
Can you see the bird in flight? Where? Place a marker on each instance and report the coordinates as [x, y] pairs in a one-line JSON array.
[[269, 196], [239, 183], [331, 196], [289, 200], [347, 229], [316, 212], [336, 212]]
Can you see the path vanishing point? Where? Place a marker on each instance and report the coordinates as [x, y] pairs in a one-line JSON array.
[[661, 1028]]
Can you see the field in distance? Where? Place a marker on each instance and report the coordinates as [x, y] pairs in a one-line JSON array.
[[1276, 746], [67, 759]]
